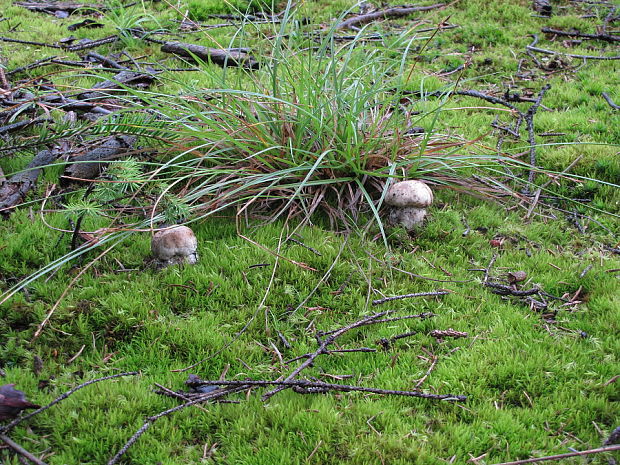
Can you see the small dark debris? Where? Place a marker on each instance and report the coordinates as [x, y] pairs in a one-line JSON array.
[[204, 389], [414, 131], [87, 23], [37, 365], [614, 437], [516, 276], [12, 402]]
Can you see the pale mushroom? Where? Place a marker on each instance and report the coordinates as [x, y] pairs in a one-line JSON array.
[[175, 246], [409, 200]]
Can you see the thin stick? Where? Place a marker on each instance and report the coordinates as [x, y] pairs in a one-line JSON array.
[[564, 171], [563, 456], [171, 393], [422, 316], [533, 48], [28, 42], [387, 343], [150, 420], [434, 360], [487, 270], [62, 397], [488, 98], [329, 352], [284, 341], [608, 99], [533, 204], [529, 121], [407, 296], [502, 289], [334, 387], [329, 340], [22, 124], [605, 37], [313, 250], [585, 271], [384, 14], [105, 60], [92, 44], [20, 450]]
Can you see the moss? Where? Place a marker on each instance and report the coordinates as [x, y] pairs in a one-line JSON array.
[[201, 10]]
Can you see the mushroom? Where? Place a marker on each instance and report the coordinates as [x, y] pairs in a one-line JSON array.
[[409, 200], [516, 276], [174, 246]]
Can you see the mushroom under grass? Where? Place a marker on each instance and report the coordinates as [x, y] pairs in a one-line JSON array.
[[408, 201], [175, 246]]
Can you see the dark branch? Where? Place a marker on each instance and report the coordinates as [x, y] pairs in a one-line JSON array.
[[605, 37], [395, 12], [334, 387], [611, 103], [532, 47]]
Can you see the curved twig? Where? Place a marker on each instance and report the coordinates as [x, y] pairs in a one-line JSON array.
[[407, 296], [532, 47], [150, 420], [563, 456], [611, 103], [395, 12], [323, 387], [20, 450]]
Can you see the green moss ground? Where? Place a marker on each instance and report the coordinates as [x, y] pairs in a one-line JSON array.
[[533, 387]]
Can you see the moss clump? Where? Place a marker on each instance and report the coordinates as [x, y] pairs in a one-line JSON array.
[[200, 10]]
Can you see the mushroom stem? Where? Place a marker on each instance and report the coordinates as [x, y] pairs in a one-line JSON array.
[[408, 217]]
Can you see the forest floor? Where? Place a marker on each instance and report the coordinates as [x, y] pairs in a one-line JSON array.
[[539, 370]]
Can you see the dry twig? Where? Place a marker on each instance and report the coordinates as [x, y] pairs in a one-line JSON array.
[[407, 296], [20, 450], [529, 121], [395, 12], [557, 32], [150, 420], [563, 456], [532, 47], [611, 103], [421, 316], [322, 348], [320, 387]]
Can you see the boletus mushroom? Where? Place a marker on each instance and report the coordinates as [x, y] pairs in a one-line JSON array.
[[174, 246], [408, 201]]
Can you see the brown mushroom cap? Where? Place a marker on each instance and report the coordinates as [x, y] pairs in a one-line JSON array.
[[409, 194], [178, 244]]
